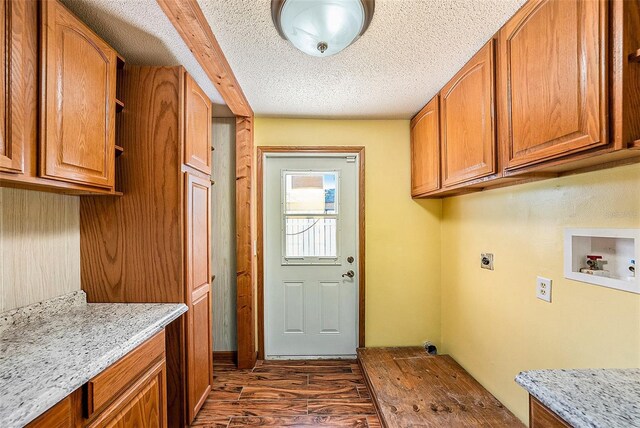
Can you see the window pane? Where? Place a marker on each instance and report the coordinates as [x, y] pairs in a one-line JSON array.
[[310, 237], [313, 193]]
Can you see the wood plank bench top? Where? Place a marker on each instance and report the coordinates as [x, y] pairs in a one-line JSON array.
[[413, 389]]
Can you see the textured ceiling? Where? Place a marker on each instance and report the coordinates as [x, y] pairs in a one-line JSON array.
[[142, 34], [411, 49]]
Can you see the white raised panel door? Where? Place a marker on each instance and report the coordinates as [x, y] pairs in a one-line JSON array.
[[310, 234]]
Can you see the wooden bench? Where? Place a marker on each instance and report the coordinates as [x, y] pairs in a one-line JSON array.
[[411, 388]]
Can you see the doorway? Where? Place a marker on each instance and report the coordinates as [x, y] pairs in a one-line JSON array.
[[312, 253]]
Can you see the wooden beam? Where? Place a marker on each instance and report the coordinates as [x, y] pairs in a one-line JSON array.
[[187, 17], [244, 236]]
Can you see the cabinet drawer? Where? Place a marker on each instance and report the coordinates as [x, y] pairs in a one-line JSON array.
[[108, 385], [59, 416], [142, 405], [541, 417]]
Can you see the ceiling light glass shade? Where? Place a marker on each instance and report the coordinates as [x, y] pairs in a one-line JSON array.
[[321, 27]]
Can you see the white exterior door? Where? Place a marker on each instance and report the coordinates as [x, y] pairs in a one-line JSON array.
[[310, 255]]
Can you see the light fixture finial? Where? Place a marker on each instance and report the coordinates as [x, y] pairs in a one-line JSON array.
[[322, 46], [321, 27]]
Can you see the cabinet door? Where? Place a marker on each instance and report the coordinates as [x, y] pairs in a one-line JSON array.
[[197, 142], [425, 150], [78, 101], [199, 341], [143, 405], [553, 80], [467, 121], [14, 76]]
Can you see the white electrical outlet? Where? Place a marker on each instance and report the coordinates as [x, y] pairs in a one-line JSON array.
[[543, 289]]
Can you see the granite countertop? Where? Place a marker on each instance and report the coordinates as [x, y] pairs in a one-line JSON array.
[[50, 349], [588, 397]]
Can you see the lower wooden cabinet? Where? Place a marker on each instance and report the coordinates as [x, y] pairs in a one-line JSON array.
[[541, 417], [143, 405], [130, 393], [61, 415], [198, 255]]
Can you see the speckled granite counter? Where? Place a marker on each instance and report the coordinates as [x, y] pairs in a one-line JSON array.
[[50, 349], [588, 397]]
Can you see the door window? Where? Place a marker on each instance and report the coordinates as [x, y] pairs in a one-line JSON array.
[[310, 210]]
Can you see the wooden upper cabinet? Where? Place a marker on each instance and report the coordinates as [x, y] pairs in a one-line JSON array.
[[425, 150], [467, 121], [15, 74], [552, 80], [197, 142], [198, 271], [78, 101]]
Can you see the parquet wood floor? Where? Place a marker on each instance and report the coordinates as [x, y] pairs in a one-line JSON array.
[[309, 393]]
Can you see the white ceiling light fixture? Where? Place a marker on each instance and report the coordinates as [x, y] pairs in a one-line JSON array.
[[321, 27]]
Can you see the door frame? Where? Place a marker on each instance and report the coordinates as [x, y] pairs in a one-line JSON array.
[[261, 152]]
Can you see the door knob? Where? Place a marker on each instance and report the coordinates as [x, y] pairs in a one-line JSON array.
[[349, 274]]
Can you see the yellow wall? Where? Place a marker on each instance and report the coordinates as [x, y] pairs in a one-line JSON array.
[[492, 323], [402, 236], [423, 275]]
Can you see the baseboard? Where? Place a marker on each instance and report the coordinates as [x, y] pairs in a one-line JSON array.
[[225, 356]]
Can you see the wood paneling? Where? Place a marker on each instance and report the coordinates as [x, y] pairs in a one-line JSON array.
[[361, 233], [412, 388], [425, 149], [467, 120], [288, 393], [78, 101], [244, 244], [197, 127], [541, 417], [106, 386], [223, 238], [43, 230], [187, 17], [553, 80]]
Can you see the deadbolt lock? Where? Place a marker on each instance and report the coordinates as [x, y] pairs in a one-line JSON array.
[[350, 259]]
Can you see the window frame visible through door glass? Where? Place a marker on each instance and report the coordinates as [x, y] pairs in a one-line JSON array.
[[332, 259]]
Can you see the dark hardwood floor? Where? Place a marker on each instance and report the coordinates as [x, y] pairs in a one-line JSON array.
[[414, 389], [318, 393]]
